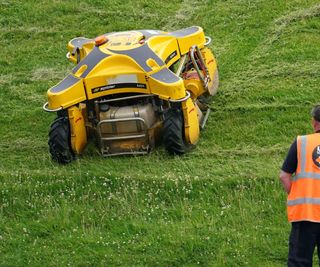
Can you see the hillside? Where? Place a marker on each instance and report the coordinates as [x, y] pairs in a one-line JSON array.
[[221, 204]]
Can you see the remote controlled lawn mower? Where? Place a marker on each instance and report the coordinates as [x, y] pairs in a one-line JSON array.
[[132, 90]]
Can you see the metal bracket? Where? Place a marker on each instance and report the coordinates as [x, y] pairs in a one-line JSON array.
[[205, 118], [125, 98], [181, 65], [45, 108], [181, 99], [143, 134], [208, 41], [199, 65]]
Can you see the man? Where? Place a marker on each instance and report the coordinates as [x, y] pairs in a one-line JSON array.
[[303, 204]]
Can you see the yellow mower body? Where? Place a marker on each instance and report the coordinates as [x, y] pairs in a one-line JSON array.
[[122, 74]]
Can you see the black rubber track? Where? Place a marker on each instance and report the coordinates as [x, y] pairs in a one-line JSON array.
[[59, 141], [173, 132]]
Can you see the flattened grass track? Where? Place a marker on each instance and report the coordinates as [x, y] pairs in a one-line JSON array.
[[221, 204]]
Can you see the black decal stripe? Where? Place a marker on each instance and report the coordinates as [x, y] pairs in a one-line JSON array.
[[165, 76], [185, 32], [171, 56], [65, 83], [141, 55], [118, 86], [91, 60]]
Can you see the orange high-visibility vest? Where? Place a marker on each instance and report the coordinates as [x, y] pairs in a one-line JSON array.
[[303, 202]]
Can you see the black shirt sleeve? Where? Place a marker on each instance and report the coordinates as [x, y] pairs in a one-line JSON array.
[[291, 162]]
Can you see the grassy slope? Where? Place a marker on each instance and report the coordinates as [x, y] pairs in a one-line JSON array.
[[220, 205]]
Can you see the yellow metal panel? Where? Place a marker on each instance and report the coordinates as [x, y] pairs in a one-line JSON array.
[[66, 94], [172, 90], [191, 122], [194, 86], [78, 129], [166, 47], [196, 38], [81, 70], [111, 76], [210, 62], [86, 45]]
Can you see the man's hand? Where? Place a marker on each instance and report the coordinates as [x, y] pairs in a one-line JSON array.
[[285, 179]]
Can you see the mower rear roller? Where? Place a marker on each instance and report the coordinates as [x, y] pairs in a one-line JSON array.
[[59, 141]]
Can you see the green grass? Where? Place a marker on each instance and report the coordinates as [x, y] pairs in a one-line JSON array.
[[220, 205]]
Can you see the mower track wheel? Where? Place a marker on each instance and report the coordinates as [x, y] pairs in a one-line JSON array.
[[59, 141], [173, 132]]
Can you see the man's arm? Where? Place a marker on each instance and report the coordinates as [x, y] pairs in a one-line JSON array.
[[289, 167], [285, 179]]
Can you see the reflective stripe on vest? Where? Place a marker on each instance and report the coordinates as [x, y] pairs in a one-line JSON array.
[[302, 159], [304, 199]]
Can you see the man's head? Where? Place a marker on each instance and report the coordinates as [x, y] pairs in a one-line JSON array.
[[315, 113]]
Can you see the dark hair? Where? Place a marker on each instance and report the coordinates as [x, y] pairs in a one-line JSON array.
[[315, 112]]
